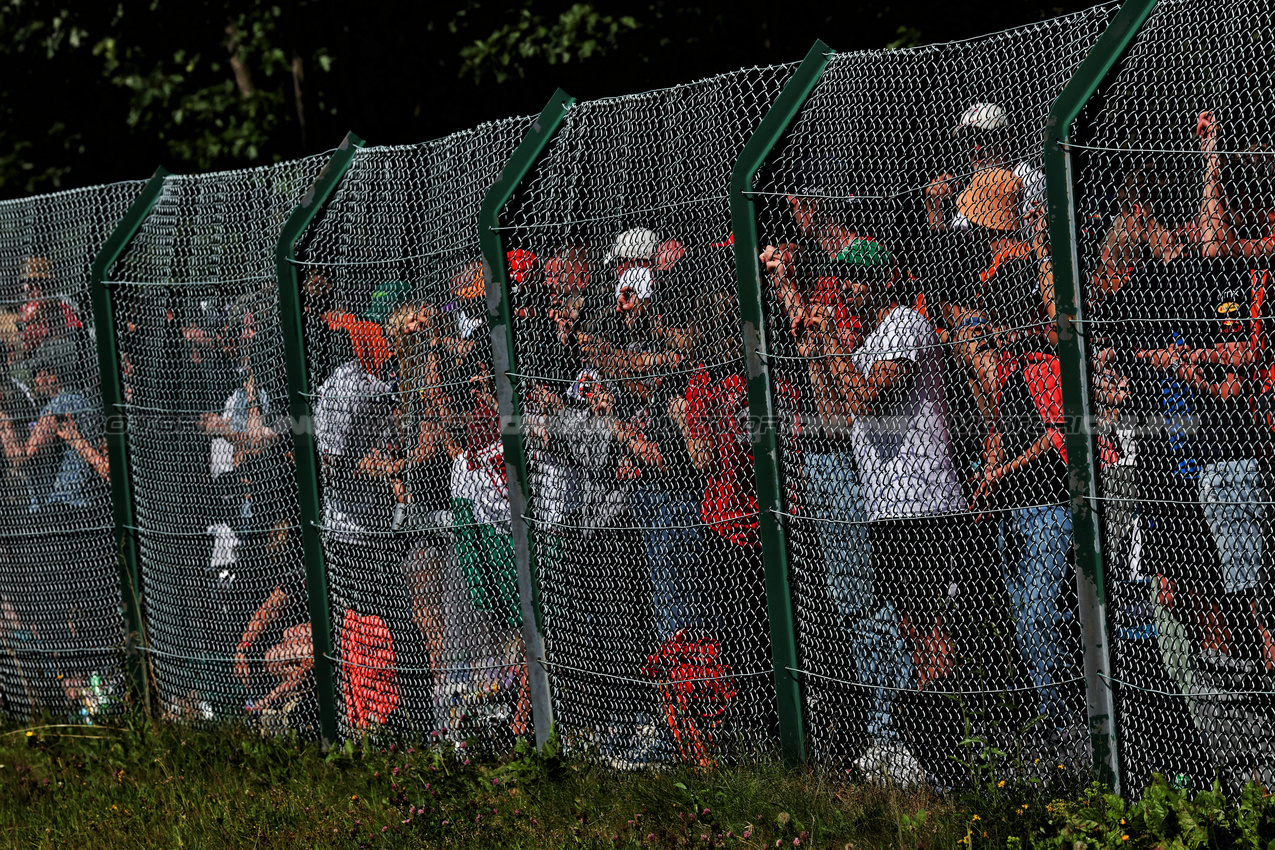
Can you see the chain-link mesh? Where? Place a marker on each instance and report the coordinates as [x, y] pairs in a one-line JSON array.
[[210, 452], [643, 513], [909, 306], [424, 593], [60, 627], [1176, 185], [916, 390]]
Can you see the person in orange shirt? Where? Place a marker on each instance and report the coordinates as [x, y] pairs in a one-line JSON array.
[[991, 253]]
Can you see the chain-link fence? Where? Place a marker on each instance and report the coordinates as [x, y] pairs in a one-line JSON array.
[[60, 629], [917, 392], [642, 510], [913, 366], [415, 522], [210, 457], [1176, 186]]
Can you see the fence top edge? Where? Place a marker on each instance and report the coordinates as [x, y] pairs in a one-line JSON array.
[[62, 193], [514, 121], [599, 102], [212, 176], [1080, 14]]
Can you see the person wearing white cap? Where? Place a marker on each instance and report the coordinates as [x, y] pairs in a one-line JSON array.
[[644, 359], [634, 255], [984, 130], [997, 316], [638, 254], [636, 243], [645, 338]]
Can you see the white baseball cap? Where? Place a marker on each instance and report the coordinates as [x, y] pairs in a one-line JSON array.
[[983, 116], [637, 243], [640, 279]]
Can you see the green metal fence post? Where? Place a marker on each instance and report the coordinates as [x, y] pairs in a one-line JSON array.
[[307, 458], [1069, 297], [505, 363], [770, 502], [108, 364]]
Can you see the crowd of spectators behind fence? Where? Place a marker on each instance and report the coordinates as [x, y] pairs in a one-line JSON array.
[[55, 485], [640, 449]]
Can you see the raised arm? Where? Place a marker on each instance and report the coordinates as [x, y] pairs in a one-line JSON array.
[[1183, 362], [826, 358], [261, 619], [698, 445], [1216, 236], [1217, 231], [938, 190], [863, 392], [95, 455], [778, 263], [45, 432], [14, 448]]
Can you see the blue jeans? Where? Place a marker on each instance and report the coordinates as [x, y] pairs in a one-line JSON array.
[[1231, 493], [834, 500], [675, 553], [1034, 543]]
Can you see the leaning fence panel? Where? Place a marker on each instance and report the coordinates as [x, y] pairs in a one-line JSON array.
[[415, 522], [642, 508], [197, 320], [61, 635], [1175, 189], [915, 376]]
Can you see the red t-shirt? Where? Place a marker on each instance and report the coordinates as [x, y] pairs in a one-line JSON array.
[[713, 413]]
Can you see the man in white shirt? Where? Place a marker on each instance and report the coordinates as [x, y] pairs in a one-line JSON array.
[[893, 386], [900, 431]]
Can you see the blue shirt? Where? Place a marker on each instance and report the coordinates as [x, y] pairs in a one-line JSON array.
[[69, 480]]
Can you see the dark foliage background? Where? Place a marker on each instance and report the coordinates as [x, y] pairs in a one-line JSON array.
[[100, 91]]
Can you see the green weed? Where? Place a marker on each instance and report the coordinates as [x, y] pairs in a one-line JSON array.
[[142, 784], [152, 784]]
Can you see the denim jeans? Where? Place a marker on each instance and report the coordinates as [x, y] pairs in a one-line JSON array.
[[669, 522], [1231, 493], [1033, 544], [834, 500]]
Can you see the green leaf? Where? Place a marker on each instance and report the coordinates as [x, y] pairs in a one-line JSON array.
[[580, 32]]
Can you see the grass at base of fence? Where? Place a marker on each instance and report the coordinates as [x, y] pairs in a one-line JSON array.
[[141, 784]]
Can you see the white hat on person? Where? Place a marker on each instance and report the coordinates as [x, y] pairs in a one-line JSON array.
[[636, 243], [639, 279], [983, 116]]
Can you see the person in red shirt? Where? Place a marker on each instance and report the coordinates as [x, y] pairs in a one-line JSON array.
[[43, 315]]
